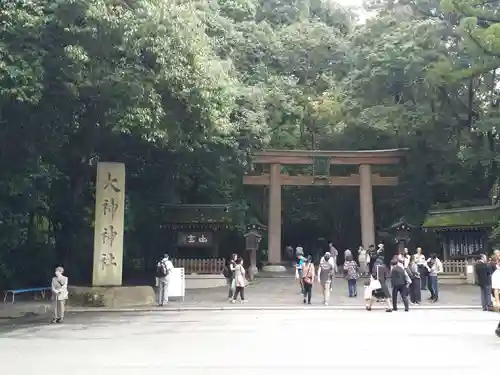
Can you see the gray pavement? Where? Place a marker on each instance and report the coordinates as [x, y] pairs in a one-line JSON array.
[[285, 292], [269, 293], [314, 341]]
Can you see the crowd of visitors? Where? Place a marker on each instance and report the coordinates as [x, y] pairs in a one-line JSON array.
[[408, 275]]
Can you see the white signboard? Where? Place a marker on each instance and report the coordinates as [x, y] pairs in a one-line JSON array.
[[177, 283]]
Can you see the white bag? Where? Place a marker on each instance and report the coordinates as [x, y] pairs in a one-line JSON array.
[[375, 283], [296, 273], [495, 279]]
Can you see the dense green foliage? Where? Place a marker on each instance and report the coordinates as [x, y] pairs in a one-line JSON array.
[[183, 91]]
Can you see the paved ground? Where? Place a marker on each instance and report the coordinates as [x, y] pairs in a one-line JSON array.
[[285, 291], [311, 341], [270, 293]]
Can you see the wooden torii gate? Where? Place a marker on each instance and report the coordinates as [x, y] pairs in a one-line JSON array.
[[321, 161]]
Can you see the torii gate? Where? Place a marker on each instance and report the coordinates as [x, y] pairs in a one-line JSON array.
[[321, 160]]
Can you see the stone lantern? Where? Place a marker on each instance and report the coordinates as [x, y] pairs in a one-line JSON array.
[[252, 241]]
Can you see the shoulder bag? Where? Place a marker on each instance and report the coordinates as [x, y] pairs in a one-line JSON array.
[[375, 283]]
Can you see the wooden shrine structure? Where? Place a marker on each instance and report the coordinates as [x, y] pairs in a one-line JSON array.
[[321, 162]]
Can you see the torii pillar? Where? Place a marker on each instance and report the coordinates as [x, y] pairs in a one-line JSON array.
[[366, 206], [274, 221]]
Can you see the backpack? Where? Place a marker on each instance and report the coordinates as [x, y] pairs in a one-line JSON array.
[[161, 270], [226, 272]]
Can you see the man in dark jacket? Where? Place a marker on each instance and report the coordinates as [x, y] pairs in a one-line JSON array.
[[400, 281], [483, 278]]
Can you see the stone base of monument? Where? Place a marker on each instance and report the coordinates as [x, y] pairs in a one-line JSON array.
[[274, 268], [111, 296], [195, 281]]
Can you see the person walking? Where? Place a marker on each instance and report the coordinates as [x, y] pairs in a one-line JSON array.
[[299, 263], [363, 260], [483, 272], [352, 275], [240, 280], [372, 253], [495, 285], [400, 282], [325, 271], [308, 274], [163, 270], [378, 284], [422, 269], [434, 268], [59, 289], [335, 255], [415, 292]]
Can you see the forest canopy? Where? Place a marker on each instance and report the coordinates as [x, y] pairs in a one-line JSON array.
[[183, 91]]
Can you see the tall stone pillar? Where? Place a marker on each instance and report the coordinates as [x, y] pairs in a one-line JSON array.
[[366, 205], [109, 224], [274, 221]]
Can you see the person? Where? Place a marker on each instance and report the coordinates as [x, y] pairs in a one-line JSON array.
[[495, 286], [406, 258], [299, 263], [372, 253], [308, 278], [59, 294], [434, 267], [351, 272], [483, 273], [400, 282], [422, 269], [415, 292], [229, 275], [364, 261], [334, 254], [163, 270], [240, 281], [325, 272], [380, 273]]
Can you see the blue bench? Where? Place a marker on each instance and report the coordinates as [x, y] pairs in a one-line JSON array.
[[13, 292]]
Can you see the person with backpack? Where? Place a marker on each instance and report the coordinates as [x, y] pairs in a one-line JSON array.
[[163, 270]]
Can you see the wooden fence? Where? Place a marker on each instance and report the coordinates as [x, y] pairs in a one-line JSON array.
[[200, 266], [454, 266]]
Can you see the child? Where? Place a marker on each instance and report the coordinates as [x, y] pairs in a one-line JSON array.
[[351, 270]]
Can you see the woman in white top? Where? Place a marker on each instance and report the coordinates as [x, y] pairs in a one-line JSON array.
[[364, 261], [240, 281], [421, 261]]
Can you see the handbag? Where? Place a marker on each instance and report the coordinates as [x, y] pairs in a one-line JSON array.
[[375, 283]]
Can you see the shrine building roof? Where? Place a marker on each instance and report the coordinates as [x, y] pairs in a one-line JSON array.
[[477, 217], [197, 215]]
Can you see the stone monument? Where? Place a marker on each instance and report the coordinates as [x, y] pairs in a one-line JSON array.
[[108, 224], [107, 290]]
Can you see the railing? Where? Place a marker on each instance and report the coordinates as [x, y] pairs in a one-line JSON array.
[[454, 266], [200, 266]]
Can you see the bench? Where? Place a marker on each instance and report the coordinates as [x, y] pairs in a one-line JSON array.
[[13, 292]]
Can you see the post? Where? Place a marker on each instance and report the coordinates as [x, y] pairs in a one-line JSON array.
[[253, 263], [274, 221], [366, 206], [108, 225]]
